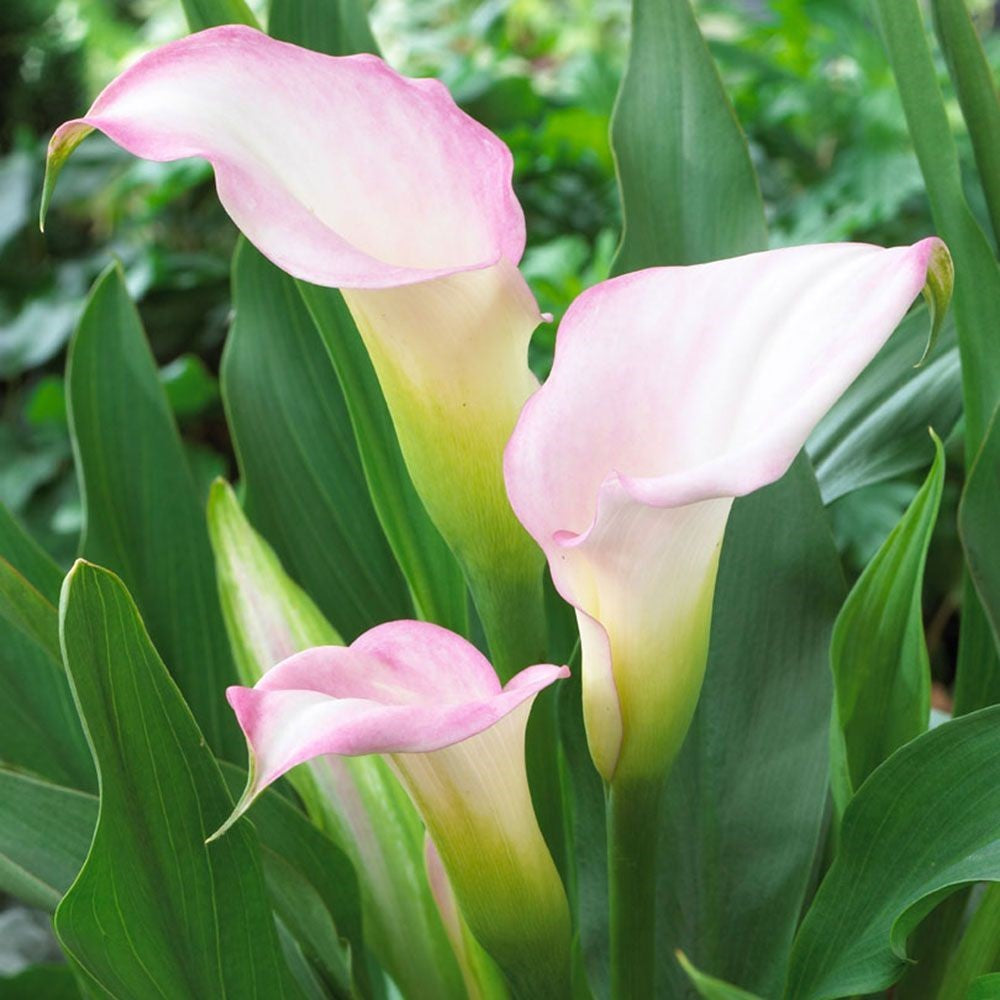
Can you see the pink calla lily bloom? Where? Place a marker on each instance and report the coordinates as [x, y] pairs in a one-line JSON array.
[[673, 391], [346, 174], [432, 703]]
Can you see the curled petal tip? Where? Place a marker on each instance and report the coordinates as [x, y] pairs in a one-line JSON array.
[[938, 285], [66, 138]]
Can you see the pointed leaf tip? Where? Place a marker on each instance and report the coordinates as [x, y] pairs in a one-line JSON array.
[[937, 290], [66, 138]]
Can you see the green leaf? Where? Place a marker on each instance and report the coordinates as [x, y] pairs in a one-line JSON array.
[[877, 430], [743, 814], [437, 586], [27, 610], [144, 517], [881, 669], [584, 792], [978, 952], [312, 884], [979, 524], [985, 988], [689, 192], [27, 557], [202, 14], [45, 831], [268, 616], [434, 577], [358, 800], [926, 822], [710, 988], [41, 982], [977, 94], [336, 27], [305, 489], [977, 291], [39, 729], [155, 911]]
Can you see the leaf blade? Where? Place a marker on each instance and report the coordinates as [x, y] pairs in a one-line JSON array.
[[143, 515], [675, 214], [188, 920]]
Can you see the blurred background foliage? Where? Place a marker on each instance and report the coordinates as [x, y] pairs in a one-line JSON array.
[[808, 78]]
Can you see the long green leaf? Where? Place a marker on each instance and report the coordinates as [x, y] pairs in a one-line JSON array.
[[926, 822], [744, 815], [588, 884], [340, 27], [312, 884], [45, 831], [689, 191], [879, 656], [357, 800], [25, 555], [878, 429], [155, 911], [435, 579], [985, 988], [202, 14], [979, 524], [268, 616], [336, 27], [144, 516], [305, 488], [979, 950], [977, 292], [39, 729], [27, 610], [977, 94]]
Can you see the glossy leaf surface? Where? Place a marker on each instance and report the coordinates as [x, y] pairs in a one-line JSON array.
[[743, 816], [879, 655], [155, 911], [979, 523], [924, 823], [144, 515], [45, 831], [688, 187], [290, 426]]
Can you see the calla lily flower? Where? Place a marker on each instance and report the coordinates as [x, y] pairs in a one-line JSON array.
[[430, 701], [673, 391], [346, 174]]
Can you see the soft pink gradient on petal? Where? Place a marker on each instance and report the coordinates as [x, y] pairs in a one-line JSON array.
[[403, 687], [679, 384], [338, 169], [673, 391]]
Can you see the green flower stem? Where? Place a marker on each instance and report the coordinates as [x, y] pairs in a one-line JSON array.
[[633, 836]]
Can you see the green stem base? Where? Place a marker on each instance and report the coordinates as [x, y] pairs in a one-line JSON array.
[[633, 838]]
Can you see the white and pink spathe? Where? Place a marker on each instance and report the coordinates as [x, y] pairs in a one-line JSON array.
[[673, 391], [431, 702], [346, 174]]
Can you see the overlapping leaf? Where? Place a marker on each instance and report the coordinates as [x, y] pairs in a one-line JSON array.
[[155, 911], [879, 655], [926, 822], [305, 488], [144, 515], [744, 815], [689, 191]]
